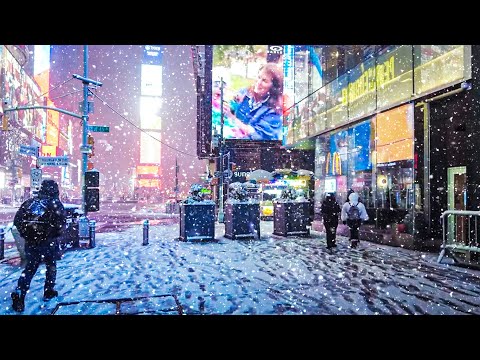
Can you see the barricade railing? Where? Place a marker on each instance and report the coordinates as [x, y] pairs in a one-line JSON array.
[[460, 236]]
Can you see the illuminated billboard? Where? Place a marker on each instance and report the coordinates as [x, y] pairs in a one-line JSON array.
[[251, 77], [395, 134], [151, 83], [150, 149], [21, 90], [151, 105], [349, 150], [150, 112]]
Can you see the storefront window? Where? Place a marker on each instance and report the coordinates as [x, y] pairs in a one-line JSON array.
[[395, 190], [343, 162], [360, 161]]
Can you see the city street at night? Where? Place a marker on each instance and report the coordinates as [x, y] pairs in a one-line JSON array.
[[209, 179]]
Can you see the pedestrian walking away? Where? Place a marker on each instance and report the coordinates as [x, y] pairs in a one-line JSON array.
[[330, 213], [353, 214], [40, 220]]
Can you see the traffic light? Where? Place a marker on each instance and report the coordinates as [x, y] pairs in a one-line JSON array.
[[92, 192], [91, 142], [92, 179], [92, 199]]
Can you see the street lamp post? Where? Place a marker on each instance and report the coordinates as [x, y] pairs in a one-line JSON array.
[[221, 214]]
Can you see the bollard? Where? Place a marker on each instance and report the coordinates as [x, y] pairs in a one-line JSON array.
[[2, 242], [145, 232], [91, 225]]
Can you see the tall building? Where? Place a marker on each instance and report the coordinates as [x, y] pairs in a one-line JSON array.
[[148, 171], [25, 82], [147, 101]]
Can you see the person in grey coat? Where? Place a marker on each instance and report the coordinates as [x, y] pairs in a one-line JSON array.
[[353, 214]]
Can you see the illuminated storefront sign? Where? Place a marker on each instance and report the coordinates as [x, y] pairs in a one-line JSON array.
[[50, 150], [148, 169], [380, 83], [437, 66], [147, 175]]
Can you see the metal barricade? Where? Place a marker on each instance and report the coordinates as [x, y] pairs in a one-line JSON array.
[[460, 237]]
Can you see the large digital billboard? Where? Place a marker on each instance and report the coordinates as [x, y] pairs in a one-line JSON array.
[[249, 80], [150, 104]]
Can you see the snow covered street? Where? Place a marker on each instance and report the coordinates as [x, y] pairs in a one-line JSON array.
[[273, 275]]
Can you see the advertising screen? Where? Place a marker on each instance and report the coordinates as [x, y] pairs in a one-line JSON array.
[[249, 80], [395, 134], [360, 146], [330, 185], [349, 149], [151, 83]]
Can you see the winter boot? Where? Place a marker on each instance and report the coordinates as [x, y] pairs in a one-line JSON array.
[[354, 243], [18, 301], [49, 294]]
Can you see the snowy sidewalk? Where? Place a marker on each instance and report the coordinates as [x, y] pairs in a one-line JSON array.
[[273, 275]]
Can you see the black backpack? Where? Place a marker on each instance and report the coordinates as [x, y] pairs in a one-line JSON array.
[[35, 223], [353, 212]]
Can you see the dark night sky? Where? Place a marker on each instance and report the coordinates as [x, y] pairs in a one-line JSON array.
[[118, 68]]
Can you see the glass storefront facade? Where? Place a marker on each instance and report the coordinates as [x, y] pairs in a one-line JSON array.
[[391, 76], [375, 158], [363, 123]]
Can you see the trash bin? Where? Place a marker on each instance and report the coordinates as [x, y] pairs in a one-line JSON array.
[[197, 221], [70, 238]]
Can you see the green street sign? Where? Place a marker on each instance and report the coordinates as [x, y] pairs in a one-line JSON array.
[[98, 128]]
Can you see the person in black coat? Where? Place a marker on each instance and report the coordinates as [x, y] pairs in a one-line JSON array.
[[330, 213], [40, 247]]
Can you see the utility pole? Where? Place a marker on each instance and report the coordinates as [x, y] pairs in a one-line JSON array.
[[85, 149], [220, 195]]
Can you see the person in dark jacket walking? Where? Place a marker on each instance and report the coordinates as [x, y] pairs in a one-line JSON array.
[[41, 247], [330, 212]]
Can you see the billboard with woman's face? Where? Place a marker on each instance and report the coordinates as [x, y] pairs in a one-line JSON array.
[[247, 90]]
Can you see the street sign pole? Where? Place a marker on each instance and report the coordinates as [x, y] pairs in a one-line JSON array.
[[84, 128], [86, 81]]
